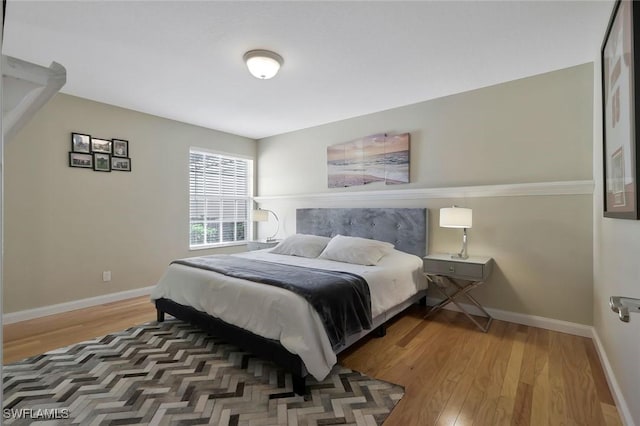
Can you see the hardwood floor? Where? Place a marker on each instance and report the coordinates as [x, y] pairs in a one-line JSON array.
[[33, 337], [453, 374]]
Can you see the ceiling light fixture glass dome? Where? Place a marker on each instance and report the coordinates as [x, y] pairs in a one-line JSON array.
[[263, 64]]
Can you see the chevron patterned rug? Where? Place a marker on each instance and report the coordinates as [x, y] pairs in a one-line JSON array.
[[173, 373]]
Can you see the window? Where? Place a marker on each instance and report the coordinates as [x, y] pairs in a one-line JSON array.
[[219, 198]]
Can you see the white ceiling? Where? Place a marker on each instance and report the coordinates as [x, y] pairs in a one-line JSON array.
[[183, 60]]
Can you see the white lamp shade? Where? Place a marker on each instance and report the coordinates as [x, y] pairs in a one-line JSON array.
[[260, 215], [455, 217], [263, 64]]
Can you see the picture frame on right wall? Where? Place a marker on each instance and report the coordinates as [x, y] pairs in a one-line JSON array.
[[80, 143], [120, 148], [120, 164], [101, 145], [620, 56], [101, 162], [79, 159]]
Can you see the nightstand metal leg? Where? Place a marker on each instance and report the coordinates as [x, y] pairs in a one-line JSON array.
[[461, 290]]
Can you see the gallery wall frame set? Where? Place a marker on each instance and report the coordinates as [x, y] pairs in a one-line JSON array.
[[620, 58], [100, 155]]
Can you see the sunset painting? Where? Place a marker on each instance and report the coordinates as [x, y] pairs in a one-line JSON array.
[[375, 158], [396, 161]]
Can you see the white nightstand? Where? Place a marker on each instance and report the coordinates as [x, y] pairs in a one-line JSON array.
[[457, 277], [259, 245]]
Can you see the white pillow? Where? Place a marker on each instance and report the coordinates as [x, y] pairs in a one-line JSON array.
[[302, 245], [360, 251]]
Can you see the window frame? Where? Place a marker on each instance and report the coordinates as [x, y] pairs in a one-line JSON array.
[[249, 197]]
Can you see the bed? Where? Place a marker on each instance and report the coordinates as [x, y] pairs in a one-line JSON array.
[[278, 325]]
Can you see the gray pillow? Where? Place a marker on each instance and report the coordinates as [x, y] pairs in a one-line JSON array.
[[361, 251], [302, 245]]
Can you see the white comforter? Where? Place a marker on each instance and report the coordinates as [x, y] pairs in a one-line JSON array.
[[279, 314]]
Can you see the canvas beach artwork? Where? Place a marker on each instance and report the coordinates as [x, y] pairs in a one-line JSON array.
[[374, 158], [335, 165], [349, 169], [396, 160]]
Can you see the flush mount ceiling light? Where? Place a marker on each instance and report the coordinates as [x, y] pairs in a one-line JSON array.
[[263, 64]]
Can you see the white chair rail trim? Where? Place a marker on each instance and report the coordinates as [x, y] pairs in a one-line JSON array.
[[574, 187]]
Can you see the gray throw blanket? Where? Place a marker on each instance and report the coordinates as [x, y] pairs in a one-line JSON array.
[[342, 299]]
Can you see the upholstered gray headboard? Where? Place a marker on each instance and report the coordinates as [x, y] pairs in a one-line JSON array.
[[407, 229]]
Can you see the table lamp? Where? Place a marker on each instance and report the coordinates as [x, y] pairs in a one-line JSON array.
[[457, 217], [262, 215]]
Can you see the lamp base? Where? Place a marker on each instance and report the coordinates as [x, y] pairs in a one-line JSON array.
[[459, 256], [463, 252]]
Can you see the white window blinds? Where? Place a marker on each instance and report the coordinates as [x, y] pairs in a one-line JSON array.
[[219, 198]]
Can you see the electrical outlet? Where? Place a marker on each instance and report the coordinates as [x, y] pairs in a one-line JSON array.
[[106, 276]]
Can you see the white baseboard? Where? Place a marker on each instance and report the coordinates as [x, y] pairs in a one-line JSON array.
[[28, 314], [621, 403], [524, 319]]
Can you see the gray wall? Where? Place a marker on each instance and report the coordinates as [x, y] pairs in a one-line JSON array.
[[537, 129], [616, 249], [64, 226]]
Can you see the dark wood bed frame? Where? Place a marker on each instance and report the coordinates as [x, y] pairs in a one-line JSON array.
[[405, 228]]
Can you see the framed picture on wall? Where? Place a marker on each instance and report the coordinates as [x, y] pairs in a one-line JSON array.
[[101, 145], [80, 143], [621, 111], [120, 148], [101, 162], [78, 159], [121, 164]]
